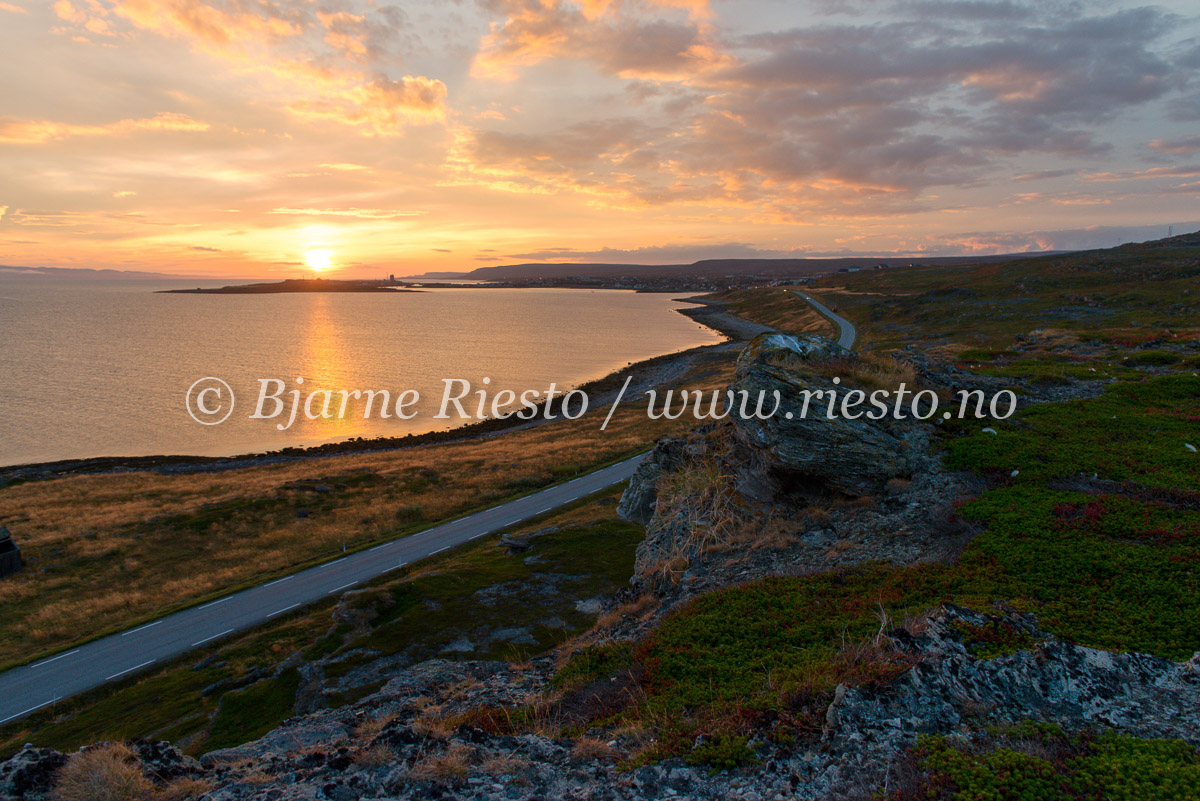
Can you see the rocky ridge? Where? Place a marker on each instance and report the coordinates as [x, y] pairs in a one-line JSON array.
[[390, 745]]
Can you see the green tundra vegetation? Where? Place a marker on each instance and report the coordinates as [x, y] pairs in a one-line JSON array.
[[1039, 761], [1091, 521]]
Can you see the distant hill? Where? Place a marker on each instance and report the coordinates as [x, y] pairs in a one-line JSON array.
[[719, 268], [12, 271], [1191, 240]]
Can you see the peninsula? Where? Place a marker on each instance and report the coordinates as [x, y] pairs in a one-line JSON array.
[[297, 285]]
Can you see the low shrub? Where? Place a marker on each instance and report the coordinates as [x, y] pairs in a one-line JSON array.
[[104, 773], [592, 663]]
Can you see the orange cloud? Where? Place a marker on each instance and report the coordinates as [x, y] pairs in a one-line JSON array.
[[68, 12], [211, 26], [633, 40], [316, 56], [27, 132], [383, 106]]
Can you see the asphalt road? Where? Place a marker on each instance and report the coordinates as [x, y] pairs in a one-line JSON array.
[[847, 333], [31, 687]]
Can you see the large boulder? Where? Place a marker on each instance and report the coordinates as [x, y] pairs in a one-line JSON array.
[[639, 498], [799, 444], [30, 773]]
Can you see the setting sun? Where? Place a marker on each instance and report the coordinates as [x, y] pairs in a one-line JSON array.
[[319, 260]]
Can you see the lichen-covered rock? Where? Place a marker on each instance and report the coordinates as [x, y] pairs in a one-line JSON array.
[[765, 347], [384, 748], [801, 441], [29, 773], [950, 691], [638, 501]]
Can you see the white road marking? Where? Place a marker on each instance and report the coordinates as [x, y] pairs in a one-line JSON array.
[[27, 711], [454, 527], [281, 611], [53, 659], [129, 670], [143, 628], [215, 636], [339, 589]]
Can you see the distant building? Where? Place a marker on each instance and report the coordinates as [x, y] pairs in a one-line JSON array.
[[10, 554]]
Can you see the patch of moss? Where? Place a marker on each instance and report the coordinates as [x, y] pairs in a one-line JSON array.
[[248, 714], [722, 752], [1076, 769], [594, 663]]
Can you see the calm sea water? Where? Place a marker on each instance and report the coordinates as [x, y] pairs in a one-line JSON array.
[[103, 368]]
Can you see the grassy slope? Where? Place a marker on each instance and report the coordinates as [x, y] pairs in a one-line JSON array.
[[124, 548], [215, 697], [1133, 288], [1114, 566]]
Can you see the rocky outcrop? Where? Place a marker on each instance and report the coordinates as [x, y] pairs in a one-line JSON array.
[[949, 691], [796, 473], [801, 443], [396, 744], [638, 501], [30, 773]]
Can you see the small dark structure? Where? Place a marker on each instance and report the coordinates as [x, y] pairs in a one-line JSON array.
[[10, 554]]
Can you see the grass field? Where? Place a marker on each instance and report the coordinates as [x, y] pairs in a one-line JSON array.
[[1130, 293], [232, 692], [118, 549]]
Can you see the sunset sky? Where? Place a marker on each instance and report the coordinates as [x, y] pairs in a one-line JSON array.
[[253, 137]]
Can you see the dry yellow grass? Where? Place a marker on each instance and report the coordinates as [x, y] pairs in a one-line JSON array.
[[432, 727], [589, 748], [104, 773], [777, 307], [369, 729], [449, 767], [504, 765], [375, 757], [183, 790], [121, 548]]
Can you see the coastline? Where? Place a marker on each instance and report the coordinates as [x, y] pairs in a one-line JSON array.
[[647, 374]]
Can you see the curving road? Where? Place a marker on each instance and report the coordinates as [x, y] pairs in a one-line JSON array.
[[26, 689], [847, 332]]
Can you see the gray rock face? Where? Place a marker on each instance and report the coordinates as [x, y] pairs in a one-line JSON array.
[[866, 735], [950, 691], [637, 502], [801, 443], [810, 347], [795, 444], [769, 467], [30, 773]]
